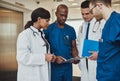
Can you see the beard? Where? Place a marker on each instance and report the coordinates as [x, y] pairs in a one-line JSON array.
[[98, 17]]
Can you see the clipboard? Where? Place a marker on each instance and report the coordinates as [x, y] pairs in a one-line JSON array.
[[72, 59], [89, 46]]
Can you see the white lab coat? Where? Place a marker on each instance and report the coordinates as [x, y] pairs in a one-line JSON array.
[[89, 75], [31, 51]]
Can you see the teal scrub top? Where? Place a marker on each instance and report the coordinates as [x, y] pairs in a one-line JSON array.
[[60, 39], [108, 63]]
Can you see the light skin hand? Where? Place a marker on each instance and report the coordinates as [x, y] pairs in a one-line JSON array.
[[94, 55], [53, 58], [50, 57]]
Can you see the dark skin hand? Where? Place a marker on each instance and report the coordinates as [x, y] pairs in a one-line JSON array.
[[59, 59], [75, 52]]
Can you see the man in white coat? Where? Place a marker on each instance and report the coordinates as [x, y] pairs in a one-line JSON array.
[[88, 67]]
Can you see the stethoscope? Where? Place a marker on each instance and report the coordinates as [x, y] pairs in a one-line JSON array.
[[42, 35], [34, 32], [93, 29], [98, 26]]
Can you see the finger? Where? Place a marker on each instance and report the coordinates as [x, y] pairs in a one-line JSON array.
[[90, 52]]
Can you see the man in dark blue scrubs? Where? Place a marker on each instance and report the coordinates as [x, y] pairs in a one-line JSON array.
[[62, 39], [108, 63]]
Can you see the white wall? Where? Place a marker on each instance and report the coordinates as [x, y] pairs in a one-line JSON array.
[[74, 12], [47, 4], [75, 24]]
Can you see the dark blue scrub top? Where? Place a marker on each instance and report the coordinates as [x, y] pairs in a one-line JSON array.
[[108, 68], [60, 39]]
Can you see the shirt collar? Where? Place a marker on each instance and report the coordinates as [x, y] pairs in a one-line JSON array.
[[34, 29], [93, 20]]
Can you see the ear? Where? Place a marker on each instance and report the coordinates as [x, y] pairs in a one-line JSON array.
[[56, 13], [38, 18], [99, 5]]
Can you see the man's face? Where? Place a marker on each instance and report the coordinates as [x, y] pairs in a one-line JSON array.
[[96, 11], [86, 14], [62, 14]]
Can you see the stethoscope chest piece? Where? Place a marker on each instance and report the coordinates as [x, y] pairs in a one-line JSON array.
[[34, 32]]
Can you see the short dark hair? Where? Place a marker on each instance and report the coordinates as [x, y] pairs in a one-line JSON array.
[[85, 4], [105, 2], [63, 6]]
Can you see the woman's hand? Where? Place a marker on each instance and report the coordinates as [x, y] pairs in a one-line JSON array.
[[50, 57]]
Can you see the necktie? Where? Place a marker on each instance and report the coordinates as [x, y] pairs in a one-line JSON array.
[[87, 32], [46, 42]]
